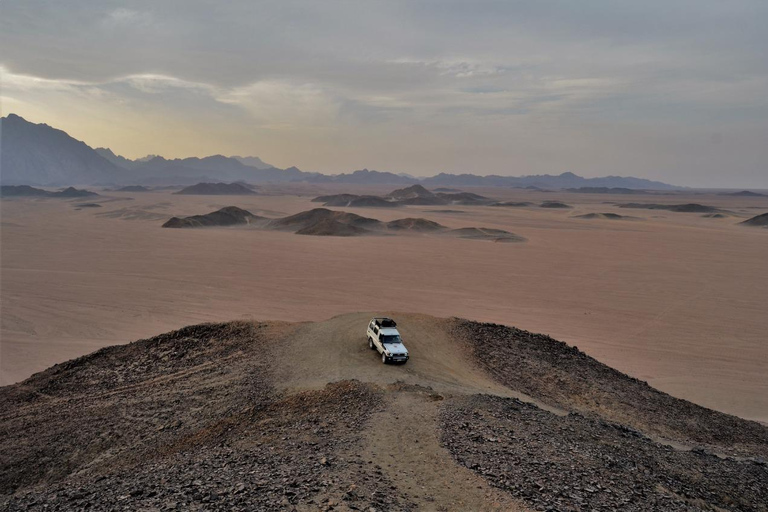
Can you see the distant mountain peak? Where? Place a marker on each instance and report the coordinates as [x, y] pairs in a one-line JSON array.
[[37, 154], [105, 151], [253, 161]]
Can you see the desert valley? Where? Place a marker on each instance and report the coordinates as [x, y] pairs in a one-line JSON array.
[[383, 256], [659, 296], [665, 286], [652, 293]]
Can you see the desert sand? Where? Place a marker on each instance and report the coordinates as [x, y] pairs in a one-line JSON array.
[[673, 298]]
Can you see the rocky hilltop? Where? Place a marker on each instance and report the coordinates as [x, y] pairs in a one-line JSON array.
[[227, 216], [758, 220], [251, 416], [217, 189], [27, 191], [325, 222]]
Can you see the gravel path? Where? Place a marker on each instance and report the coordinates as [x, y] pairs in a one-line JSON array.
[[404, 439]]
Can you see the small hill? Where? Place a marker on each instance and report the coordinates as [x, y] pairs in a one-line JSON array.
[[415, 224], [133, 188], [325, 222], [715, 216], [335, 197], [414, 195], [554, 204], [412, 192], [217, 189], [494, 235], [27, 191], [354, 201], [464, 198], [606, 190], [608, 216], [424, 201], [513, 204], [743, 193], [22, 191], [332, 227], [370, 202], [679, 208], [73, 192], [308, 221], [757, 221], [228, 216]]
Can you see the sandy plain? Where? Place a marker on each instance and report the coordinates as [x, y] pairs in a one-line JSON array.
[[673, 298]]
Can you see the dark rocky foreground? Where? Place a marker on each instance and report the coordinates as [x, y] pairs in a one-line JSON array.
[[274, 456], [573, 462], [562, 376], [188, 420], [199, 419]]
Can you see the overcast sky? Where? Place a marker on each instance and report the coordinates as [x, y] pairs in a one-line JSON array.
[[669, 90]]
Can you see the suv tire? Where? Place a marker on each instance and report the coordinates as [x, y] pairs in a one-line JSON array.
[[384, 358], [370, 344]]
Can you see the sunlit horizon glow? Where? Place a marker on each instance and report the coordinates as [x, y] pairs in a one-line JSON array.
[[671, 91]]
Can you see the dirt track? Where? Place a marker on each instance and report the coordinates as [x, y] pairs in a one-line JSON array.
[[336, 349], [404, 438]]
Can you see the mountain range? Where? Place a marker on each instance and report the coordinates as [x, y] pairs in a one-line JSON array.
[[38, 154]]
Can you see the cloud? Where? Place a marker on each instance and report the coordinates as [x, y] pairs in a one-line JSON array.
[[281, 104], [122, 17], [457, 68], [418, 86], [158, 84]]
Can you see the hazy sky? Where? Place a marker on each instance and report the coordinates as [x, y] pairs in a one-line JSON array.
[[670, 90]]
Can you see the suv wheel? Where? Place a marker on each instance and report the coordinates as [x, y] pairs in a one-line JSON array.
[[370, 344], [384, 358]]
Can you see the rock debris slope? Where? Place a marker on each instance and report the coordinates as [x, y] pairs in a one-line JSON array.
[[279, 416]]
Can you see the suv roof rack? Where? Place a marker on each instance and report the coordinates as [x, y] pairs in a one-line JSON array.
[[385, 322]]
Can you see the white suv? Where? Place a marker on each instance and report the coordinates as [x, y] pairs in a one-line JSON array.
[[384, 337]]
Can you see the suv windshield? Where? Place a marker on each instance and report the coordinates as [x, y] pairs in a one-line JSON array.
[[391, 338]]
